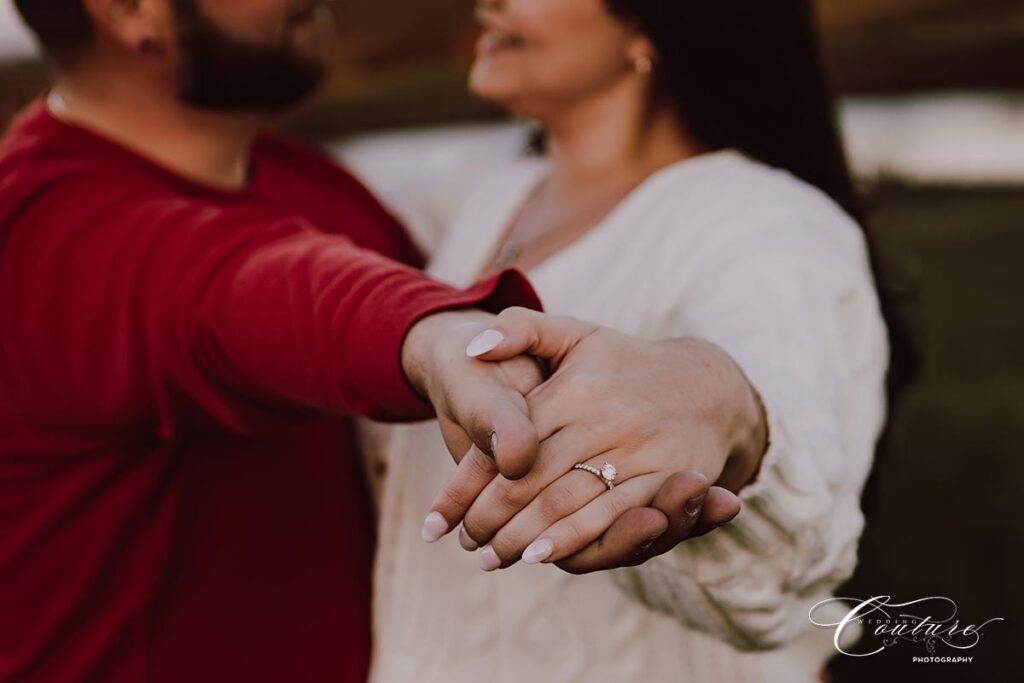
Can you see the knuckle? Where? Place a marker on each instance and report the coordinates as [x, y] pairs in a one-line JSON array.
[[476, 528], [614, 507], [473, 419], [573, 531], [452, 497], [506, 546], [482, 465], [557, 501], [515, 314], [514, 495]]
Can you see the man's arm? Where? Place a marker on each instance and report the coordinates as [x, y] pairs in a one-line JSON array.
[[230, 312]]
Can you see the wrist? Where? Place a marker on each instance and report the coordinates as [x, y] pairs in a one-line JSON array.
[[433, 339], [751, 444], [736, 414], [749, 438]]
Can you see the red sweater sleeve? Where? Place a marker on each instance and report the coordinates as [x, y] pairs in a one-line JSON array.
[[213, 310]]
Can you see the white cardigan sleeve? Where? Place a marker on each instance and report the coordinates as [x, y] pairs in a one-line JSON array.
[[797, 309]]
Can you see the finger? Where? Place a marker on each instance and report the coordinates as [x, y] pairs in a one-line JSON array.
[[522, 331], [455, 438], [679, 495], [472, 476], [720, 507], [503, 499], [498, 423], [681, 499], [519, 376], [623, 545], [466, 542], [522, 373], [568, 494], [573, 533]]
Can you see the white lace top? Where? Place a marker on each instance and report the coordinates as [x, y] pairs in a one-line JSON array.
[[717, 247]]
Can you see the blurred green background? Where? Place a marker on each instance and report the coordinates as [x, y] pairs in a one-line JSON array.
[[949, 519]]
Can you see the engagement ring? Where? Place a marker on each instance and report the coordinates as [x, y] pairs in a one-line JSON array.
[[606, 473]]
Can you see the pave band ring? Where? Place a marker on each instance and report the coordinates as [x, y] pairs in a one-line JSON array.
[[606, 473]]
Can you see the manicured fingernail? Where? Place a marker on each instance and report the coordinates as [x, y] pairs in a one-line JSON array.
[[693, 505], [538, 551], [487, 340], [466, 541], [494, 444], [647, 545], [489, 560], [434, 527]]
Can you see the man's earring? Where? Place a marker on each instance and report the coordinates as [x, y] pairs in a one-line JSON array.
[[643, 65]]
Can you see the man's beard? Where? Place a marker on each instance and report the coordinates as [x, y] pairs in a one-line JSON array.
[[222, 73]]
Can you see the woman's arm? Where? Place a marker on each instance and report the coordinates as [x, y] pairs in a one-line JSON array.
[[797, 317], [804, 325]]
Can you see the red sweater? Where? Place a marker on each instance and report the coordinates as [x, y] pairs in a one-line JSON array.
[[176, 501]]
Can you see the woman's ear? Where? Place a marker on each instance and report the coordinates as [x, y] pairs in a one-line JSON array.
[[642, 54], [139, 26]]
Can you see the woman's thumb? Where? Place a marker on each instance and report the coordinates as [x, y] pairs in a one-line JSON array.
[[520, 331]]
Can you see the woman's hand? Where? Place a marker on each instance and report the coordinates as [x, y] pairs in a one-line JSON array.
[[671, 416]]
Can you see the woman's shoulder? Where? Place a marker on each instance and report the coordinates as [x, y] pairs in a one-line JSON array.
[[729, 200]]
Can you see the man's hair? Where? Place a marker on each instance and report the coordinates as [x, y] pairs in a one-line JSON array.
[[62, 26]]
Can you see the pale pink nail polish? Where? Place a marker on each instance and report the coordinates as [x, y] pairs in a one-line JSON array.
[[489, 560], [434, 527], [466, 541], [487, 340], [538, 551]]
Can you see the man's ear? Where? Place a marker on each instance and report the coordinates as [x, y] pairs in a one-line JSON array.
[[138, 26]]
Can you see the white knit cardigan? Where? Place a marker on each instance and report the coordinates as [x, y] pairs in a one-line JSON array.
[[717, 247]]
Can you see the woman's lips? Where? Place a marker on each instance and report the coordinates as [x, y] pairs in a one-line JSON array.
[[492, 41]]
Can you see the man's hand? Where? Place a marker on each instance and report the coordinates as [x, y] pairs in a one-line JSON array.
[[672, 416], [477, 404]]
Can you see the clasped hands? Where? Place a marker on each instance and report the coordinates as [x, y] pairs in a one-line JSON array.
[[523, 397]]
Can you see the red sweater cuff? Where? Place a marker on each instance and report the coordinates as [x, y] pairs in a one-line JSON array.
[[380, 375]]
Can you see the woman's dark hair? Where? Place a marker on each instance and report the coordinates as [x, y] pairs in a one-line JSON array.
[[749, 75], [62, 26]]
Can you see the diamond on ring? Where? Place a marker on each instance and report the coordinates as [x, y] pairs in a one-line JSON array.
[[607, 473]]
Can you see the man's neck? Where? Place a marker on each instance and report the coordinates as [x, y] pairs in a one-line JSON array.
[[208, 147]]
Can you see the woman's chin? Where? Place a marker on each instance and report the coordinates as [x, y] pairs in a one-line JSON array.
[[489, 90], [517, 101]]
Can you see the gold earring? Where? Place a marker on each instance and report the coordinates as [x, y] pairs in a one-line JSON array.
[[643, 65]]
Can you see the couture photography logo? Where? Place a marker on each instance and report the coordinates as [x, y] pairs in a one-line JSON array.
[[930, 624]]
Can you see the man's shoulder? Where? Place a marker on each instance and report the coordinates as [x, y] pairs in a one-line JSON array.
[[40, 157], [282, 151], [300, 164]]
